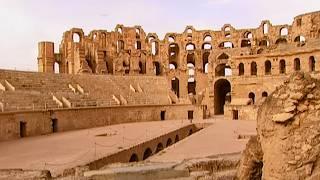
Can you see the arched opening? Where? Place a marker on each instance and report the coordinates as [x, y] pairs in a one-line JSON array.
[[248, 35], [281, 41], [120, 45], [175, 86], [134, 158], [254, 69], [300, 39], [296, 63], [245, 43], [222, 89], [226, 45], [151, 38], [223, 70], [137, 33], [173, 51], [227, 35], [54, 125], [205, 62], [76, 37], [189, 31], [282, 66], [241, 69], [264, 43], [207, 38], [312, 64], [154, 48], [156, 68], [223, 56], [265, 28], [191, 58], [56, 68], [252, 96], [142, 67], [176, 139], [169, 142], [190, 47], [173, 65], [267, 67], [264, 94], [284, 31], [171, 39], [119, 30], [206, 46], [138, 45], [147, 153], [159, 147], [191, 79]]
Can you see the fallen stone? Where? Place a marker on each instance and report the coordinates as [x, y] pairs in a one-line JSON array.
[[282, 117], [296, 96]]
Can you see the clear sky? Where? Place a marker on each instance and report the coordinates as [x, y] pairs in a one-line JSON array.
[[25, 22]]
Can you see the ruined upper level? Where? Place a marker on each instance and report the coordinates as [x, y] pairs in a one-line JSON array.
[[131, 50]]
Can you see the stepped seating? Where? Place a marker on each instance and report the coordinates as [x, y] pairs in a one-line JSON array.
[[36, 91]]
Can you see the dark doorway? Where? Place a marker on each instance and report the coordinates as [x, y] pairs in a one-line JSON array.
[[175, 86], [157, 68], [235, 114], [147, 153], [159, 147], [169, 142], [190, 115], [163, 115], [252, 96], [134, 158], [54, 124], [192, 87], [221, 88], [23, 129]]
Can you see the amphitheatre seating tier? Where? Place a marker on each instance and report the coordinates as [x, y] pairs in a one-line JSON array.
[[37, 91]]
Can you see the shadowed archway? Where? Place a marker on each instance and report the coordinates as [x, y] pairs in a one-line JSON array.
[[222, 88]]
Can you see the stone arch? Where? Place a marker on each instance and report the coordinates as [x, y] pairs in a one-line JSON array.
[[207, 38], [173, 52], [248, 35], [173, 65], [205, 62], [76, 37], [264, 43], [171, 39], [134, 158], [223, 70], [226, 44], [300, 39], [222, 88], [284, 31], [265, 28], [296, 64], [206, 46], [223, 56], [175, 86], [281, 41], [190, 47], [264, 94], [241, 69], [267, 67], [254, 70], [252, 96], [312, 64], [282, 66], [159, 147], [191, 78], [169, 142], [154, 47], [147, 153]]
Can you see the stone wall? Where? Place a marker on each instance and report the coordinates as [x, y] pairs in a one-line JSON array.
[[40, 122]]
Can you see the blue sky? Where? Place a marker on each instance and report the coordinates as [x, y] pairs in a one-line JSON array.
[[25, 22]]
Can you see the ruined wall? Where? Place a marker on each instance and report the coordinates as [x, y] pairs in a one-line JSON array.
[[40, 122], [258, 58]]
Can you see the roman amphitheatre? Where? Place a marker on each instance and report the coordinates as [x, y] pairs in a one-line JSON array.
[[199, 104]]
